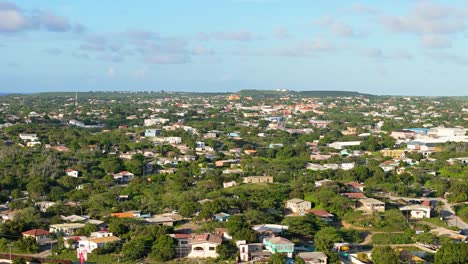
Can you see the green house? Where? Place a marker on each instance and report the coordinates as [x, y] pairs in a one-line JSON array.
[[279, 244]]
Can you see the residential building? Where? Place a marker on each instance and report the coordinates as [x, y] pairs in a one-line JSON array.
[[252, 252], [222, 217], [28, 137], [229, 184], [298, 205], [258, 179], [72, 173], [402, 134], [183, 244], [123, 176], [322, 214], [40, 235], [280, 245], [68, 229], [416, 211], [316, 257], [355, 186], [204, 246], [90, 244], [371, 205]]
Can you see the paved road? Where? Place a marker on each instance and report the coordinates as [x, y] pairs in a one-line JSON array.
[[446, 212]]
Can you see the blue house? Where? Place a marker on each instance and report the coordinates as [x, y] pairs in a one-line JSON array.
[[233, 134], [222, 217]]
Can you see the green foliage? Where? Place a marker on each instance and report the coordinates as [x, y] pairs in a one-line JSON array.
[[394, 238], [28, 244], [452, 253], [19, 261], [239, 229], [325, 238], [303, 226], [164, 248], [137, 248], [226, 251], [277, 258], [385, 255]]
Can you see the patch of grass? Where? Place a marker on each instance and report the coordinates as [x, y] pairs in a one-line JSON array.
[[92, 258], [385, 238], [435, 221]]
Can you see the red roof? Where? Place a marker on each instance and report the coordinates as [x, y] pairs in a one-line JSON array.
[[355, 184], [36, 232], [70, 170], [319, 212], [187, 236], [355, 195], [426, 203]]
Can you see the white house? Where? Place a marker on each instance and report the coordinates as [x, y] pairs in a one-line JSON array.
[[123, 176], [40, 235], [229, 184], [416, 211], [28, 137], [72, 173], [91, 244], [66, 229], [204, 246]]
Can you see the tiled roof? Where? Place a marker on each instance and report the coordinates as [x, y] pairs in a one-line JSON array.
[[36, 232]]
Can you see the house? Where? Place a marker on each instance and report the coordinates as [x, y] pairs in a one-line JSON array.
[[315, 257], [393, 153], [152, 132], [402, 134], [90, 244], [72, 173], [341, 145], [258, 179], [319, 157], [322, 214], [44, 205], [355, 186], [323, 182], [183, 244], [252, 252], [123, 176], [280, 245], [354, 196], [273, 228], [40, 235], [221, 163], [371, 205], [298, 205], [416, 211], [223, 233], [229, 184], [68, 229], [28, 137], [161, 220], [204, 246], [222, 217]]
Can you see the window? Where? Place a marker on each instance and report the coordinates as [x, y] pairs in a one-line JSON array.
[[198, 249], [183, 242], [211, 248]]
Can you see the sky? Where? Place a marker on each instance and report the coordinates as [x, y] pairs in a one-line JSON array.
[[385, 47]]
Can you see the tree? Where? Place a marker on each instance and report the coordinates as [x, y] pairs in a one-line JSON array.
[[277, 258], [325, 238], [226, 251], [452, 253], [299, 260], [28, 244], [385, 255], [137, 248], [19, 261], [164, 248]]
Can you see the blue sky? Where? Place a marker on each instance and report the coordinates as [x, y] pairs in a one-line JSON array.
[[403, 47]]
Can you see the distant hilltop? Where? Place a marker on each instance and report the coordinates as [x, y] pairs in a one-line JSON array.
[[284, 92]]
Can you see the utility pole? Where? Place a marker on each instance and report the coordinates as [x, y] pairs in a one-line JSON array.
[[10, 245]]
